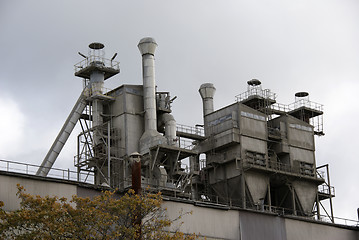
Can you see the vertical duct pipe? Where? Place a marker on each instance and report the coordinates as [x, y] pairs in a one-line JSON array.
[[96, 83], [147, 47], [150, 137], [135, 159], [170, 128], [207, 91]]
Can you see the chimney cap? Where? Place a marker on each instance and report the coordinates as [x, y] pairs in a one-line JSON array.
[[147, 45], [96, 45], [302, 94], [254, 82], [207, 90]]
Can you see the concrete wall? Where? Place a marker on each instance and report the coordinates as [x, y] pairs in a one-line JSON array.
[[299, 230], [238, 224], [299, 133], [303, 155], [252, 122], [33, 186], [210, 221], [222, 120]]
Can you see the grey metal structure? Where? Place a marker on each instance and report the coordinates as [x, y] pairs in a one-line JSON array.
[[96, 68], [260, 154], [253, 154]]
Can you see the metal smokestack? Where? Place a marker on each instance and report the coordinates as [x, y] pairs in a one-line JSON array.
[[147, 48], [207, 91], [150, 137]]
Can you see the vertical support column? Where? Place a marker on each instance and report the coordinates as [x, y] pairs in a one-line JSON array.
[[330, 194], [269, 198], [109, 152], [243, 188], [78, 159], [318, 207], [293, 200]]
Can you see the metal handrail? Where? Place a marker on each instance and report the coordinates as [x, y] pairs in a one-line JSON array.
[[276, 165], [278, 210], [264, 93], [31, 169], [93, 59], [280, 107], [325, 189], [306, 103], [191, 130], [186, 144]]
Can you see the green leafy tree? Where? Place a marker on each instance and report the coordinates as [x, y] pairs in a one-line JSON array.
[[106, 216]]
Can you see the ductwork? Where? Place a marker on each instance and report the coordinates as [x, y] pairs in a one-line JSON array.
[[170, 128], [207, 91], [147, 48], [151, 136], [96, 84], [63, 135]]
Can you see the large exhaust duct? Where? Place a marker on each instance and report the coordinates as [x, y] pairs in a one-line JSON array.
[[151, 136], [207, 91]]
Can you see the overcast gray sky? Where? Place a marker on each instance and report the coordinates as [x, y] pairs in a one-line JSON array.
[[290, 46]]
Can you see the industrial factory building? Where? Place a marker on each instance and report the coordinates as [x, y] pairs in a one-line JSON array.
[[248, 172]]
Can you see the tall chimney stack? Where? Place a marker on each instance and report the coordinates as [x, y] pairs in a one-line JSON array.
[[151, 136], [207, 91]]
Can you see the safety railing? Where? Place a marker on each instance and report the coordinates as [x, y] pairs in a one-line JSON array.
[[96, 90], [237, 202], [325, 189], [191, 130], [305, 103], [97, 60], [186, 144], [280, 107], [263, 93], [31, 169], [267, 94], [301, 169]]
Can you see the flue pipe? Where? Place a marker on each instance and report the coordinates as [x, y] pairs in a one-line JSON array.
[[151, 136], [207, 91], [147, 47]]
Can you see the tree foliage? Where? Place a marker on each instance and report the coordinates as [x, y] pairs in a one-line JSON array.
[[103, 217]]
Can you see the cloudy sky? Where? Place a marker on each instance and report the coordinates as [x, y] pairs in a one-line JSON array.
[[290, 46]]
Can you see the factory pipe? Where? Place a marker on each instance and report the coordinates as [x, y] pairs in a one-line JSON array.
[[147, 47], [207, 91], [170, 128], [97, 79], [63, 135], [135, 159], [151, 136]]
